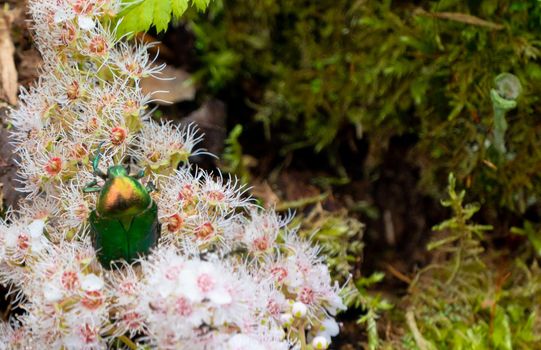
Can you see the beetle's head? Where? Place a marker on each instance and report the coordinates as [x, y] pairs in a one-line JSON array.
[[116, 170]]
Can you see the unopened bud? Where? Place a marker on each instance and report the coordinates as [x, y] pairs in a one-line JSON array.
[[320, 343], [287, 319], [299, 310]]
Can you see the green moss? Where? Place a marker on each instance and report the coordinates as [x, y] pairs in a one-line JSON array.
[[468, 298], [425, 69], [385, 69], [233, 161]]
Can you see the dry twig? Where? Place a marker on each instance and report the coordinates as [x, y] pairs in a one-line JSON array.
[[461, 17], [8, 71]]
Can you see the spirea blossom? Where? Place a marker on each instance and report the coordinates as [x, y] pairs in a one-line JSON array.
[[223, 275], [190, 302]]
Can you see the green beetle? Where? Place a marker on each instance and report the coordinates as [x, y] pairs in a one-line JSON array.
[[124, 225]]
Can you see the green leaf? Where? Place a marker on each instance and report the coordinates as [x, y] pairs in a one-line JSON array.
[[374, 278], [501, 338], [137, 18], [144, 14], [418, 90], [179, 7], [527, 331], [162, 14], [201, 4]]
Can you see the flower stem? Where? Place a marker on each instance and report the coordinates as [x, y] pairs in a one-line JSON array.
[[500, 127], [128, 342], [302, 336], [124, 339]]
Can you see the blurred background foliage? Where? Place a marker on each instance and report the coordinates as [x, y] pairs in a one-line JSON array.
[[470, 297], [324, 75]]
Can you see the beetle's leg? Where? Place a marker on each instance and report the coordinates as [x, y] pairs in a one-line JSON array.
[[96, 162], [91, 189], [140, 174], [91, 183], [151, 187]]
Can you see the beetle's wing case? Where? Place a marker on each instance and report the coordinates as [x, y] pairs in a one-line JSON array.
[[114, 242]]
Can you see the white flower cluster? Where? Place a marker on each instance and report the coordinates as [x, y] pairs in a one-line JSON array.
[[224, 274]]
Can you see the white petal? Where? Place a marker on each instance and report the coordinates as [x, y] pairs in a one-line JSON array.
[[38, 244], [243, 342], [91, 283], [62, 16], [10, 239], [86, 22], [188, 282], [166, 288], [52, 293], [220, 296], [335, 304], [330, 327], [36, 228], [198, 317]]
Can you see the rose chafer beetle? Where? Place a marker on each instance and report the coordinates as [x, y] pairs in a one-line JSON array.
[[124, 225]]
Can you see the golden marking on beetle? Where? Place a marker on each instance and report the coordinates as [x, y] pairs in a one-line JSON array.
[[123, 196], [120, 191]]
